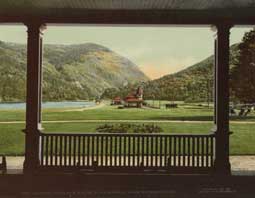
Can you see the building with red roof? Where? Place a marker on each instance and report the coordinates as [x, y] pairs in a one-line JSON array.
[[134, 99]]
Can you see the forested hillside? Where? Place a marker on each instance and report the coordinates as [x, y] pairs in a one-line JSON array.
[[70, 72], [192, 84]]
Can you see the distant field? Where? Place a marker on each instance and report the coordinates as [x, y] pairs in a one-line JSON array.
[[242, 141], [113, 113]]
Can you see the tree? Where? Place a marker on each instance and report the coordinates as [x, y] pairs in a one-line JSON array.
[[109, 93], [243, 73]]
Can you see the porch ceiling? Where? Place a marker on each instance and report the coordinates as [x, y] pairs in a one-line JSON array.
[[128, 11], [35, 5]]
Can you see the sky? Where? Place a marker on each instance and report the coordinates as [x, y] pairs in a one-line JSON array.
[[157, 50]]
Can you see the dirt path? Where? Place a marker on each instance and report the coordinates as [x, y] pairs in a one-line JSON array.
[[134, 121], [86, 108]]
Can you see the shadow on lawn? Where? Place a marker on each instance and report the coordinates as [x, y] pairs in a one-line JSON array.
[[243, 118]]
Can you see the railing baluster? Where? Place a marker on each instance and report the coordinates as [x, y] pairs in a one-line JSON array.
[[156, 151], [100, 150], [111, 139], [74, 150], [79, 151], [207, 152], [134, 151], [142, 163], [138, 150], [92, 150], [147, 150], [56, 151], [115, 150], [165, 150], [70, 150], [60, 150], [184, 152], [129, 151], [193, 151], [212, 152], [120, 150], [198, 152], [106, 152], [160, 151], [47, 150], [170, 160], [152, 152], [88, 151], [179, 151], [65, 150], [42, 150], [174, 155], [51, 150], [202, 152], [97, 149], [125, 151], [188, 151], [83, 150]]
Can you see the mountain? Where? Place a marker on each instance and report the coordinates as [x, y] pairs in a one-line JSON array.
[[70, 72], [194, 83]]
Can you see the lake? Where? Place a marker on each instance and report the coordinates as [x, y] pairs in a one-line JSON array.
[[48, 105]]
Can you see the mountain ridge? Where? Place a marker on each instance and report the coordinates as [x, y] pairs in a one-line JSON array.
[[194, 83], [77, 71]]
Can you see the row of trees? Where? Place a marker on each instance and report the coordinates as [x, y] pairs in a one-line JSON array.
[[171, 89], [197, 86]]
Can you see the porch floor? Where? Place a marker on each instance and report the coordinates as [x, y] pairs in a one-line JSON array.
[[240, 165], [95, 185]]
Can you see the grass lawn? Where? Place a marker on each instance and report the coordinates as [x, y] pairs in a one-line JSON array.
[[242, 141], [12, 138], [113, 113]]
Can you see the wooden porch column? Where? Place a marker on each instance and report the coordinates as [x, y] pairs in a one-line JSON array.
[[215, 79], [222, 164], [33, 101]]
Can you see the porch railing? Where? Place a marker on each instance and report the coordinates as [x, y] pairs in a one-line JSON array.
[[130, 151]]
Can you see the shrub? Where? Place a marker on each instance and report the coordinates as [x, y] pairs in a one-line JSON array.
[[129, 128]]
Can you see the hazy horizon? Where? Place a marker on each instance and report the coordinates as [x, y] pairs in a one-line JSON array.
[[157, 51]]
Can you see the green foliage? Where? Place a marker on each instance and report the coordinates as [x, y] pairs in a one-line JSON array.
[[110, 93], [129, 128], [194, 84], [243, 72], [121, 91], [12, 74]]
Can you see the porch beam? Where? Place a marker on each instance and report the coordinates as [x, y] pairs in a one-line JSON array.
[[33, 101], [237, 16], [222, 164]]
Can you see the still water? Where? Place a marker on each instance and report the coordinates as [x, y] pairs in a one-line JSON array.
[[47, 105]]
